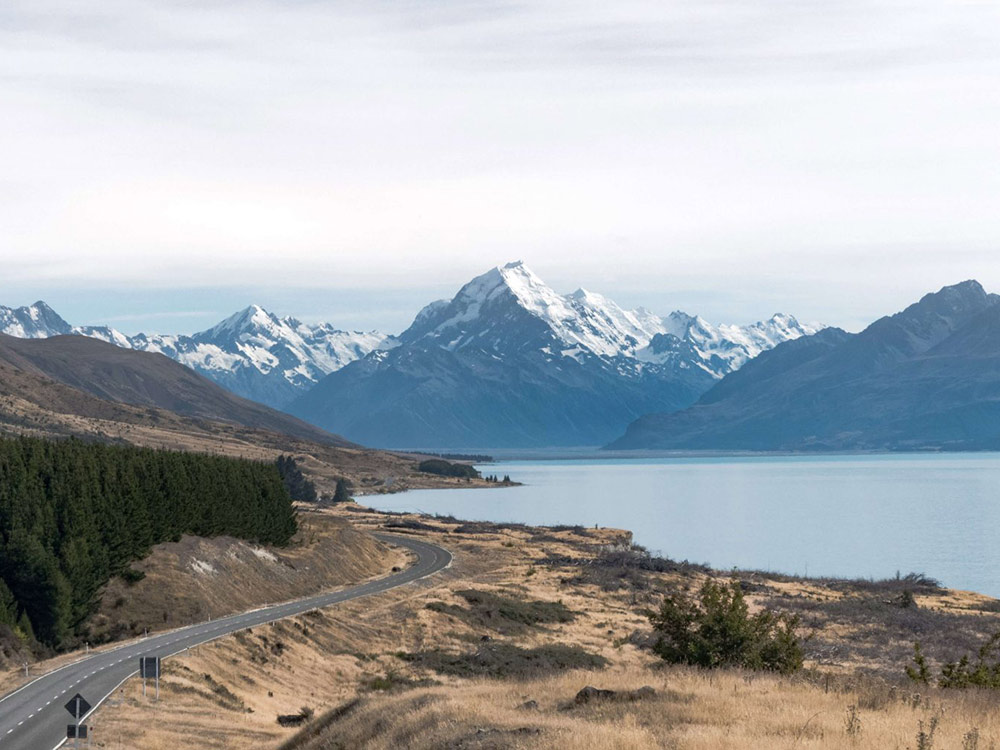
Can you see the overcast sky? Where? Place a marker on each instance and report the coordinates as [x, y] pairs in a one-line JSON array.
[[163, 162]]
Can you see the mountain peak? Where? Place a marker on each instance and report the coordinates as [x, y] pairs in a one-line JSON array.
[[509, 308], [956, 296], [519, 277], [968, 284], [251, 317], [514, 278], [585, 295], [927, 322], [32, 321]]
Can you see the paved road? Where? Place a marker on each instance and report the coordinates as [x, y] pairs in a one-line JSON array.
[[34, 717]]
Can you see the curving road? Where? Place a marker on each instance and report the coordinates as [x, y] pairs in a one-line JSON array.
[[34, 718]]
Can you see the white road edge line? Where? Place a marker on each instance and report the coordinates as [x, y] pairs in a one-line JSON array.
[[361, 592]]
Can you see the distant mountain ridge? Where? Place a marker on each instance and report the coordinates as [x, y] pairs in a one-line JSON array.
[[253, 353], [508, 362], [144, 379], [927, 377]]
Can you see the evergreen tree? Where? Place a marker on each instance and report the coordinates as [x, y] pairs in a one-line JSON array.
[[8, 606], [300, 488], [343, 493]]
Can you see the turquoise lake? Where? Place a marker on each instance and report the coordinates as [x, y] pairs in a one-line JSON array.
[[856, 516]]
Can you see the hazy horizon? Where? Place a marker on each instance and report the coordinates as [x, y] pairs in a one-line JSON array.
[[167, 163]]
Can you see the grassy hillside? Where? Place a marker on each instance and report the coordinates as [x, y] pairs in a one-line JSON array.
[[493, 652], [195, 578]]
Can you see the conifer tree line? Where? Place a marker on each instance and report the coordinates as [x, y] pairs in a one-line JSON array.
[[74, 514], [300, 488]]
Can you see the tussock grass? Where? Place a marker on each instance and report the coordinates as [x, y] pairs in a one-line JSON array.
[[691, 710], [502, 613], [504, 660], [337, 660]]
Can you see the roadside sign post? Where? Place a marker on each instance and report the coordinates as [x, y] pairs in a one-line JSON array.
[[77, 732], [78, 707], [149, 668]]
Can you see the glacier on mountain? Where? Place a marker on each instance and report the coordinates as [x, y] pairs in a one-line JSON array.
[[584, 322]]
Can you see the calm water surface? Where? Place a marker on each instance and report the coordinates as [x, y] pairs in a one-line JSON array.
[[867, 516]]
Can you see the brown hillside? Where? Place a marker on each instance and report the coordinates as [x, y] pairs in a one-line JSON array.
[[146, 379]]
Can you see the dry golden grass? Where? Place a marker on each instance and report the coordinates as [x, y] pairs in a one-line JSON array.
[[335, 657], [691, 710]]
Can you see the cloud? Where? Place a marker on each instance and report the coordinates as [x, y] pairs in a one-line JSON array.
[[648, 145]]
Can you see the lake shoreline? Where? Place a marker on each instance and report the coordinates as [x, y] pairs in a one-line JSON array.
[[833, 516]]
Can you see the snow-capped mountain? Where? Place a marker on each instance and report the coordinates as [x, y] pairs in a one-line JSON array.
[[510, 362], [485, 311], [253, 353], [722, 349], [37, 321], [507, 362]]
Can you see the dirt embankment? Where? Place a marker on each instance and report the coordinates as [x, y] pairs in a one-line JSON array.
[[196, 579]]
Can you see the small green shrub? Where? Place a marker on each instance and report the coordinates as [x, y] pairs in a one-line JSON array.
[[131, 575], [979, 671], [716, 629], [919, 672]]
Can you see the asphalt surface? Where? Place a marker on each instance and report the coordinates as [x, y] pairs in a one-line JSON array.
[[34, 718]]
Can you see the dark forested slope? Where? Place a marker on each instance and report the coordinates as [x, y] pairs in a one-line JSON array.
[[73, 514]]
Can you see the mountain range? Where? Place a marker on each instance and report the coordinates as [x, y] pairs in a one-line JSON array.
[[254, 353], [112, 374], [508, 362], [925, 378]]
